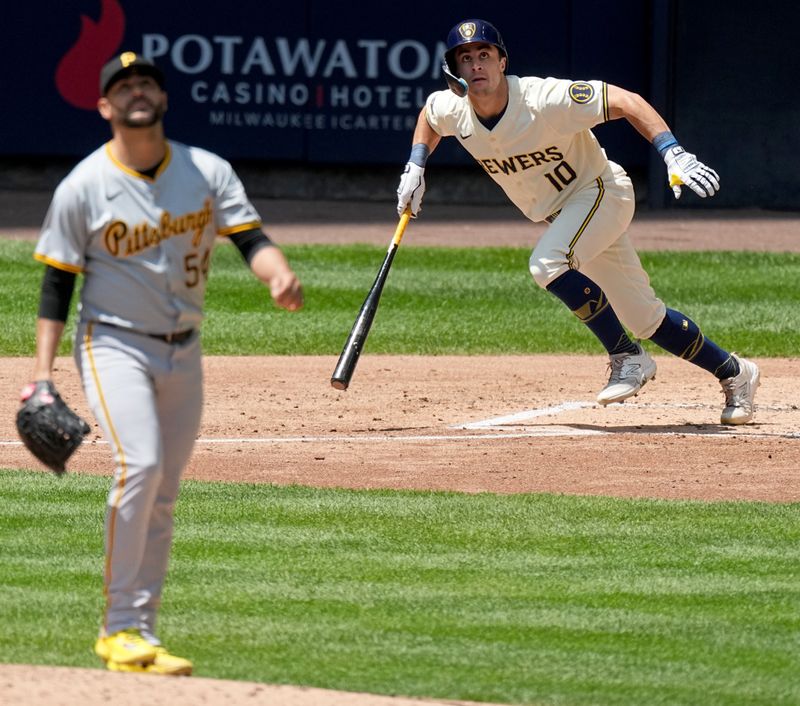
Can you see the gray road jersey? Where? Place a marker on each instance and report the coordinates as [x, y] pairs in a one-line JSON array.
[[144, 245]]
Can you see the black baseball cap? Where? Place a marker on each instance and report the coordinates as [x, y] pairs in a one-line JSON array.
[[126, 64]]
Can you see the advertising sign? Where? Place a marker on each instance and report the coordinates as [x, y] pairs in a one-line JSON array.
[[319, 82]]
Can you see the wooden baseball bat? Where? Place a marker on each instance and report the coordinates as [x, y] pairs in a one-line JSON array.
[[358, 334]]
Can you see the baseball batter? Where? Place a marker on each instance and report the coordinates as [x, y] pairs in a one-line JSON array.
[[533, 137], [138, 218]]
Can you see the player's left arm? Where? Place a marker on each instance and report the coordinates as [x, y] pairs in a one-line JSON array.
[[270, 265], [682, 167], [238, 219], [636, 110]]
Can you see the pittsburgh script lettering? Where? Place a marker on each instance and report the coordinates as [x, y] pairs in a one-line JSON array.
[[122, 240]]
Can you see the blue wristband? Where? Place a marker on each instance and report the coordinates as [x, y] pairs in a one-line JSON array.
[[663, 141], [419, 154]]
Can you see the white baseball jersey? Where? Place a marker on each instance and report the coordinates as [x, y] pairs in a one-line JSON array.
[[144, 244], [542, 150]]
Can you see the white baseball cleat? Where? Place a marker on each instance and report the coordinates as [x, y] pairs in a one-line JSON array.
[[629, 373], [740, 392]]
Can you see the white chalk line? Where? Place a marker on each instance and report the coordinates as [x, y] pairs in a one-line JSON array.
[[497, 428], [334, 438], [517, 417], [524, 416], [509, 421]]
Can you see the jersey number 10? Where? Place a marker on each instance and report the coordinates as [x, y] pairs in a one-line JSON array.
[[562, 175]]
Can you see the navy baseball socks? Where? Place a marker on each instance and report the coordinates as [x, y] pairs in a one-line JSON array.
[[738, 377], [629, 364]]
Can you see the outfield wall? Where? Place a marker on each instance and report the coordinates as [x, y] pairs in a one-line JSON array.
[[322, 96]]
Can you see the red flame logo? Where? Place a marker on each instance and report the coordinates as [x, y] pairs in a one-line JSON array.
[[78, 72]]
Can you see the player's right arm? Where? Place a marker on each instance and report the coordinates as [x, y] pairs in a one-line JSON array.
[[423, 133], [412, 181], [48, 336], [56, 294], [60, 248]]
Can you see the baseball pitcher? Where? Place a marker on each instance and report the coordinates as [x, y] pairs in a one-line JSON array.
[[138, 219]]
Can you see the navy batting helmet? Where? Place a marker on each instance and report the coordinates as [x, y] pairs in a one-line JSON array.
[[470, 31]]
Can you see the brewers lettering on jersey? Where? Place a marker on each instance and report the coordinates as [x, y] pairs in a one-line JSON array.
[[533, 136], [559, 147], [138, 218]]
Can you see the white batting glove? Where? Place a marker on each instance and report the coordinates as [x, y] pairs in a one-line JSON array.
[[684, 169], [411, 189]]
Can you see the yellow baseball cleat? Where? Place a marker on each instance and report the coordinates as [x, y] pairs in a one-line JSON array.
[[125, 647], [128, 651], [132, 667], [165, 663]]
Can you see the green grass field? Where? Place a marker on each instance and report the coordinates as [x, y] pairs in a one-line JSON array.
[[526, 599], [518, 599], [449, 301]]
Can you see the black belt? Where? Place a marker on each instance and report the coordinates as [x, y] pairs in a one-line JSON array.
[[553, 216], [177, 338]]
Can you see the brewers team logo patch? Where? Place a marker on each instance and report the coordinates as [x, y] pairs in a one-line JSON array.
[[467, 30], [581, 92]]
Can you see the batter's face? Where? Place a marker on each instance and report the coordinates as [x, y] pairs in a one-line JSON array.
[[134, 102], [481, 66]]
